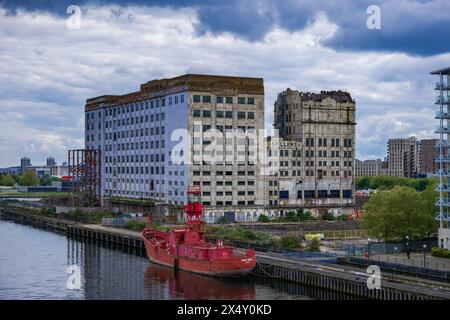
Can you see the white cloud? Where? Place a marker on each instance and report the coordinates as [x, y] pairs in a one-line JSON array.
[[47, 71]]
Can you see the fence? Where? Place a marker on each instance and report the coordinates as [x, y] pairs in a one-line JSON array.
[[417, 270], [413, 262], [379, 248], [340, 234]]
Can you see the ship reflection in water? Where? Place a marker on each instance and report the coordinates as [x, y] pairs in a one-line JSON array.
[[187, 285]]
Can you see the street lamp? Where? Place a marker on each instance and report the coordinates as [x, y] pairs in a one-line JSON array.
[[424, 255], [407, 247]]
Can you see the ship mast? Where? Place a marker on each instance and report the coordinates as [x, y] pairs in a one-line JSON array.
[[195, 225]]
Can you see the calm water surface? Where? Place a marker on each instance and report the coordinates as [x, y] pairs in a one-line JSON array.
[[33, 265]]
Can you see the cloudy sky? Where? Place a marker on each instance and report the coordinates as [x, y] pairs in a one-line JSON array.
[[48, 70]]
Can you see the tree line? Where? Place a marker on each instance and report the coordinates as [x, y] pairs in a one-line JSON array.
[[385, 182], [27, 178]]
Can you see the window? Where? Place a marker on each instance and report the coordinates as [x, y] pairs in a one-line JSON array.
[[219, 99], [347, 193], [241, 115], [196, 98], [335, 194], [207, 113], [229, 114], [251, 115], [219, 114], [207, 99], [284, 194], [309, 194], [322, 194], [241, 100], [229, 100], [251, 100], [196, 113]]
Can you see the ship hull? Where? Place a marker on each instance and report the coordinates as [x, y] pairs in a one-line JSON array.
[[230, 267]]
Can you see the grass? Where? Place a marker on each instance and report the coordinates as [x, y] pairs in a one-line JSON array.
[[236, 233], [89, 217], [135, 225]]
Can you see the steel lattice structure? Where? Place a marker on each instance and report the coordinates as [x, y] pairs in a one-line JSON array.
[[85, 177], [443, 144]]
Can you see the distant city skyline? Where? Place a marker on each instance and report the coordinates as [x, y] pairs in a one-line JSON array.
[[294, 44]]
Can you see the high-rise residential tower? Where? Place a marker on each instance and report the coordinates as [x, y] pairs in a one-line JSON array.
[[402, 157]]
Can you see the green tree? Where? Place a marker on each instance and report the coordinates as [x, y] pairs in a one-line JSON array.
[[385, 182], [400, 212], [7, 180], [362, 183], [47, 180], [29, 178]]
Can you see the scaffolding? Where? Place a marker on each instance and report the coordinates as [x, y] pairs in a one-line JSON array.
[[443, 145], [84, 177]]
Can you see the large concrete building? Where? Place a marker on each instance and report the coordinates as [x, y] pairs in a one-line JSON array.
[[209, 131], [370, 168], [402, 157], [319, 168], [157, 141]]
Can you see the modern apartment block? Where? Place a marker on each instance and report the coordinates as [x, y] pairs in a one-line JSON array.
[[157, 141], [51, 161], [402, 157], [24, 163], [370, 168], [319, 168], [428, 153]]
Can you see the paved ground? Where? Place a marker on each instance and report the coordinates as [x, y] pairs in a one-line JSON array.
[[120, 231], [416, 259]]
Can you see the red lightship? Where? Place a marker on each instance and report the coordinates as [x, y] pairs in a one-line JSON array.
[[187, 249]]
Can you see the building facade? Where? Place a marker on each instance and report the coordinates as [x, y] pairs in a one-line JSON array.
[[402, 157], [177, 132], [428, 153], [51, 161], [318, 171], [24, 163], [370, 168]]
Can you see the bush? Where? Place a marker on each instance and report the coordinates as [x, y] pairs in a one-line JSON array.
[[328, 217], [135, 225], [314, 245], [290, 241], [236, 233], [295, 216], [263, 218], [89, 217], [440, 252]]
